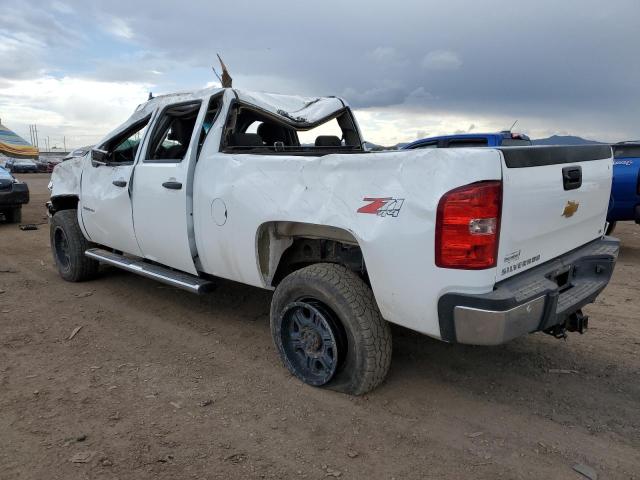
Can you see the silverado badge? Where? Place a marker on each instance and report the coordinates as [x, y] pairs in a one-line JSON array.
[[570, 208]]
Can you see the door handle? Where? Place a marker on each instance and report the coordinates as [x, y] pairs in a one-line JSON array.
[[119, 183], [172, 185], [572, 177]]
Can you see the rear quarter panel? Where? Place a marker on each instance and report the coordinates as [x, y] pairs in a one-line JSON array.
[[398, 251]]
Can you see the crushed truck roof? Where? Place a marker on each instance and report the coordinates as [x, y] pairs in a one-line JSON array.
[[296, 110]]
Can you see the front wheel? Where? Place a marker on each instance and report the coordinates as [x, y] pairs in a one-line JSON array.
[[68, 246], [328, 330]]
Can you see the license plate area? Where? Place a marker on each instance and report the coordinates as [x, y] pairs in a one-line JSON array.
[[562, 278]]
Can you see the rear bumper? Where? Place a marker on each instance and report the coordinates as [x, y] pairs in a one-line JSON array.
[[18, 195], [532, 301]]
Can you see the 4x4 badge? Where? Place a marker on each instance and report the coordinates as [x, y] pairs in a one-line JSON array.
[[385, 206]]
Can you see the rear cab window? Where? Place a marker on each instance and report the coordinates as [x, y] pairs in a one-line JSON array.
[[516, 142], [433, 144], [626, 151], [251, 130], [467, 142]]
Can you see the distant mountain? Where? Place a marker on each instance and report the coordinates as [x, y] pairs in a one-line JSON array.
[[564, 140], [372, 147]]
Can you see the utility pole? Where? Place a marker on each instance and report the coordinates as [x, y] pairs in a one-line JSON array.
[[64, 143]]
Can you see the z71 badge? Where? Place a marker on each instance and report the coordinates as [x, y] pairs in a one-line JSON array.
[[382, 207]]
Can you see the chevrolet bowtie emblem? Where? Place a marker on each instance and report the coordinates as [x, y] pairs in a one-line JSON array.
[[570, 208]]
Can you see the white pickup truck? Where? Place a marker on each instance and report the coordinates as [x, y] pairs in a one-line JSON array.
[[475, 246]]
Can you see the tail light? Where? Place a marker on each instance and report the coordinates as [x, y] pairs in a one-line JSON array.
[[468, 226]]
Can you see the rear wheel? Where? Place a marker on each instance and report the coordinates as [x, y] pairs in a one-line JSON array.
[[328, 329], [68, 246], [14, 214]]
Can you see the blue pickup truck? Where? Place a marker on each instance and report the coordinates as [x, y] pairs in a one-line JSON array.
[[504, 139], [625, 191]]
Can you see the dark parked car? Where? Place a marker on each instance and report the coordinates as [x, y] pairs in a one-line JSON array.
[[47, 165], [18, 165], [13, 194]]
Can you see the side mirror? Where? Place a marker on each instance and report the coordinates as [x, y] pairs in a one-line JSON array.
[[99, 157]]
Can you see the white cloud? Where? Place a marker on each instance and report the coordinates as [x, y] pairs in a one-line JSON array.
[[383, 55], [19, 55], [391, 125], [441, 60], [62, 7], [419, 96], [119, 27], [83, 110]]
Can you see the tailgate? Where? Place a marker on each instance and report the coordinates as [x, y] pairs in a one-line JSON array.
[[555, 199]]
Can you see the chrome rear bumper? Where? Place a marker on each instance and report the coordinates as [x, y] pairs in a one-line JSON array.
[[538, 299]]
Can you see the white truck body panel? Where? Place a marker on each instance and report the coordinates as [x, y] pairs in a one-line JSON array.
[[212, 225], [105, 209]]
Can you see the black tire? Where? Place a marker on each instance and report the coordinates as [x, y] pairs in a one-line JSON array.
[[14, 214], [610, 228], [363, 337], [68, 246]]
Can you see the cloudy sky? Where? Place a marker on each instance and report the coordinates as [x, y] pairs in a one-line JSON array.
[[410, 68]]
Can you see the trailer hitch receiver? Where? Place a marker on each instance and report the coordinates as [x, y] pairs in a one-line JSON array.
[[578, 322]]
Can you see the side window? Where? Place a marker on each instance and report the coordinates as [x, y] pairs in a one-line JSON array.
[[123, 148], [172, 134], [468, 142], [433, 144], [209, 118], [626, 151]]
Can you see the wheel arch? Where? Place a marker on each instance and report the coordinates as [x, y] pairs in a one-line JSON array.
[[63, 202], [285, 246]]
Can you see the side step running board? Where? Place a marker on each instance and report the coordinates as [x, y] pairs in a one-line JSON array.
[[181, 280]]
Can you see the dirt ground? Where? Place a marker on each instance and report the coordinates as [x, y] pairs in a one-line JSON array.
[[159, 383]]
